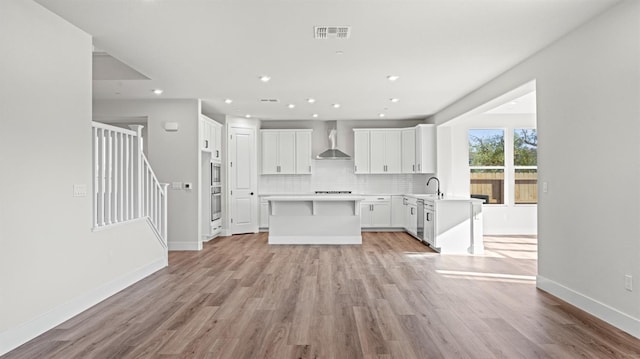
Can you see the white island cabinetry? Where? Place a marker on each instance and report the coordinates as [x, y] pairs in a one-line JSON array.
[[314, 219]]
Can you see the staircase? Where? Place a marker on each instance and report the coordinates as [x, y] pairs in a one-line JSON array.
[[124, 185]]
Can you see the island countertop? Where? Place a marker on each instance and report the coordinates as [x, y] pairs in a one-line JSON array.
[[315, 197]]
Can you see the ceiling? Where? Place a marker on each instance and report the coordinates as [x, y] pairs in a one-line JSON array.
[[217, 49]]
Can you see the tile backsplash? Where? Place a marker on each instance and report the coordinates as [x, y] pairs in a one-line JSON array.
[[338, 176]]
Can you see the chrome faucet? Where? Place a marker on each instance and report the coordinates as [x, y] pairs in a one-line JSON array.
[[438, 193]]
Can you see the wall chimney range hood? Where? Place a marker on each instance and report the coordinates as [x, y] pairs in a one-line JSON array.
[[333, 153]]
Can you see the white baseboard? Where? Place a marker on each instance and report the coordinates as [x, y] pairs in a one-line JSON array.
[[610, 315], [14, 337], [185, 246]]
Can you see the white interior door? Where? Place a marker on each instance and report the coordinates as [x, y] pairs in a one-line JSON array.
[[243, 181]]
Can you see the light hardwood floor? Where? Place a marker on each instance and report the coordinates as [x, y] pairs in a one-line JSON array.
[[391, 297]]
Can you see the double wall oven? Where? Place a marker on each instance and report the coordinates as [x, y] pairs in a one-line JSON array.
[[216, 192]]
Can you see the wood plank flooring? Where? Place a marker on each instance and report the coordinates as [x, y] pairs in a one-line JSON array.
[[391, 297]]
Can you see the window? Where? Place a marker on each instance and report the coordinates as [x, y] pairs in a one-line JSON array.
[[525, 164], [487, 165]]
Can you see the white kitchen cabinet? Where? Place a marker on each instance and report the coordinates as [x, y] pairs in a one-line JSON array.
[[397, 212], [286, 151], [411, 216], [426, 149], [409, 150], [375, 212], [361, 151], [210, 137], [216, 138], [303, 152], [385, 151]]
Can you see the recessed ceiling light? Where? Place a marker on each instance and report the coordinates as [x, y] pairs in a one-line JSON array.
[[339, 52], [393, 77], [381, 115], [247, 116], [157, 91], [394, 100], [314, 115], [265, 78], [311, 100], [228, 100], [291, 105], [336, 105]]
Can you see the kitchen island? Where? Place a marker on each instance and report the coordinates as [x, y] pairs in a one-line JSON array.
[[314, 219]]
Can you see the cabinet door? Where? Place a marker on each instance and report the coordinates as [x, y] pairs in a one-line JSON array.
[[303, 152], [429, 227], [378, 156], [269, 152], [381, 214], [426, 149], [393, 151], [361, 151], [365, 214], [412, 225], [409, 150], [287, 152], [205, 135], [216, 139]]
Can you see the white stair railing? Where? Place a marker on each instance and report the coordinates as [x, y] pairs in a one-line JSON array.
[[124, 185]]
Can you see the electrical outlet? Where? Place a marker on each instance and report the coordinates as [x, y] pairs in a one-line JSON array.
[[628, 282], [545, 187]]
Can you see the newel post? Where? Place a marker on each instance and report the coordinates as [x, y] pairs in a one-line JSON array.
[[137, 161]]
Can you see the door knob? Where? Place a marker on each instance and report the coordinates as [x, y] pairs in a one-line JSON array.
[[251, 193]]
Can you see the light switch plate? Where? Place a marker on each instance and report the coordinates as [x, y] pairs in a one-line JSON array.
[[176, 185], [79, 190]]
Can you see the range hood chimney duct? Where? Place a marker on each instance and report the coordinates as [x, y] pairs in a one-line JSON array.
[[332, 153]]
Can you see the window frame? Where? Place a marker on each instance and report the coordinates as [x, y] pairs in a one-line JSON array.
[[517, 167]]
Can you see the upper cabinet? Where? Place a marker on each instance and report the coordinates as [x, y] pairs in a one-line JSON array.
[[426, 159], [377, 151], [409, 150], [361, 151], [385, 151], [286, 151], [210, 137], [395, 150], [303, 152]]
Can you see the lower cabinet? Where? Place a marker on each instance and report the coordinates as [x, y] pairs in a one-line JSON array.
[[375, 212], [411, 216]]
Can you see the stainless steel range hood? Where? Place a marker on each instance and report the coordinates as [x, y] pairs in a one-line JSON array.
[[333, 153]]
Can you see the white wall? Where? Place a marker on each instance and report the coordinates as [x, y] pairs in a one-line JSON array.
[[172, 155], [453, 162], [52, 266], [588, 86]]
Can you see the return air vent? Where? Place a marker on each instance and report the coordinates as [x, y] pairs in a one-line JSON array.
[[269, 100], [332, 32]]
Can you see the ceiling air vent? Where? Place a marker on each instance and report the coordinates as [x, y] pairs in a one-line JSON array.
[[332, 32], [268, 100]]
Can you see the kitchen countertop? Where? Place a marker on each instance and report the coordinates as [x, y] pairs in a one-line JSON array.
[[361, 196], [315, 197]]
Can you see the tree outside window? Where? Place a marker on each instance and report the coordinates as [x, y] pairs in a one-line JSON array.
[[486, 164], [525, 162]]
